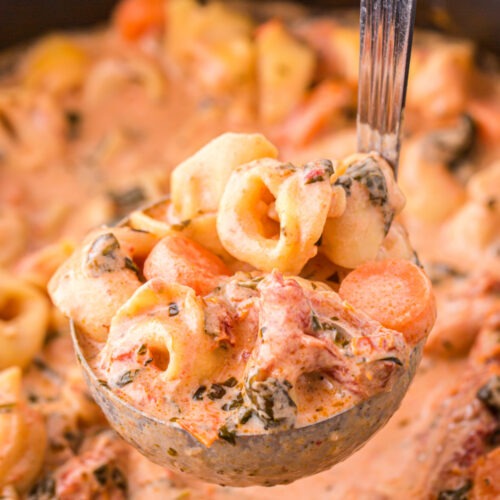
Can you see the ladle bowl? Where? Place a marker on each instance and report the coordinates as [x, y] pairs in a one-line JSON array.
[[262, 459]]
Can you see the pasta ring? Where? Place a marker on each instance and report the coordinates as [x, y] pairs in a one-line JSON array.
[[373, 200], [24, 436], [166, 321], [100, 276], [297, 198], [24, 316]]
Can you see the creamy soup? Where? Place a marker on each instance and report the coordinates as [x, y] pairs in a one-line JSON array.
[[91, 126]]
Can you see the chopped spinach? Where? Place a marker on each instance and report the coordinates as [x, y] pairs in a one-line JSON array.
[[315, 322], [103, 383], [246, 416], [131, 265], [181, 225], [252, 283], [368, 173], [452, 145], [237, 402], [118, 479], [216, 392], [74, 124], [104, 255], [126, 378], [489, 395], [315, 178], [317, 171], [456, 494], [392, 359], [101, 474], [271, 401], [342, 338], [227, 435], [128, 200], [173, 309], [230, 382], [45, 488], [198, 394]]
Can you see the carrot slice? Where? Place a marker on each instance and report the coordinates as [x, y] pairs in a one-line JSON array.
[[396, 293], [178, 259], [486, 115], [134, 18], [309, 119]]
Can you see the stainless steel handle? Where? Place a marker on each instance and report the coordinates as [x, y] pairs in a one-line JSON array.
[[386, 32]]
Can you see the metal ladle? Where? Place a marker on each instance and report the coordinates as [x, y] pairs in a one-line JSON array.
[[282, 457]]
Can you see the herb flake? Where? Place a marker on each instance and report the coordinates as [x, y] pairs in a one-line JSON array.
[[173, 309], [127, 378], [227, 435], [216, 392], [198, 394], [230, 382]]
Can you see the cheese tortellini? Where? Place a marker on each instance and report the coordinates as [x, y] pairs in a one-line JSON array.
[[162, 323], [24, 316], [103, 274], [272, 214], [198, 183], [373, 199], [23, 434]]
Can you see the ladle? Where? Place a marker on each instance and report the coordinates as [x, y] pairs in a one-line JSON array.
[[282, 457]]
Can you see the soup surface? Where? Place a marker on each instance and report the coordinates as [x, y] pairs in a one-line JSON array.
[[91, 126]]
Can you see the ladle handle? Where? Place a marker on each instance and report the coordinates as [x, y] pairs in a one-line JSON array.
[[386, 32]]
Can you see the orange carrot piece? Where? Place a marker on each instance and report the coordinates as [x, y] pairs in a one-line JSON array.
[[309, 119], [134, 18], [396, 293], [181, 260], [486, 114]]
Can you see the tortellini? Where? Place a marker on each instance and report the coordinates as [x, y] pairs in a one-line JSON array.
[[197, 184], [110, 74], [23, 432], [38, 267], [474, 229], [24, 316], [160, 326], [285, 71], [373, 199], [100, 276], [272, 213], [35, 131], [57, 64]]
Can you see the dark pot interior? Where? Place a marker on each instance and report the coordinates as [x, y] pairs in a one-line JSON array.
[[24, 19]]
